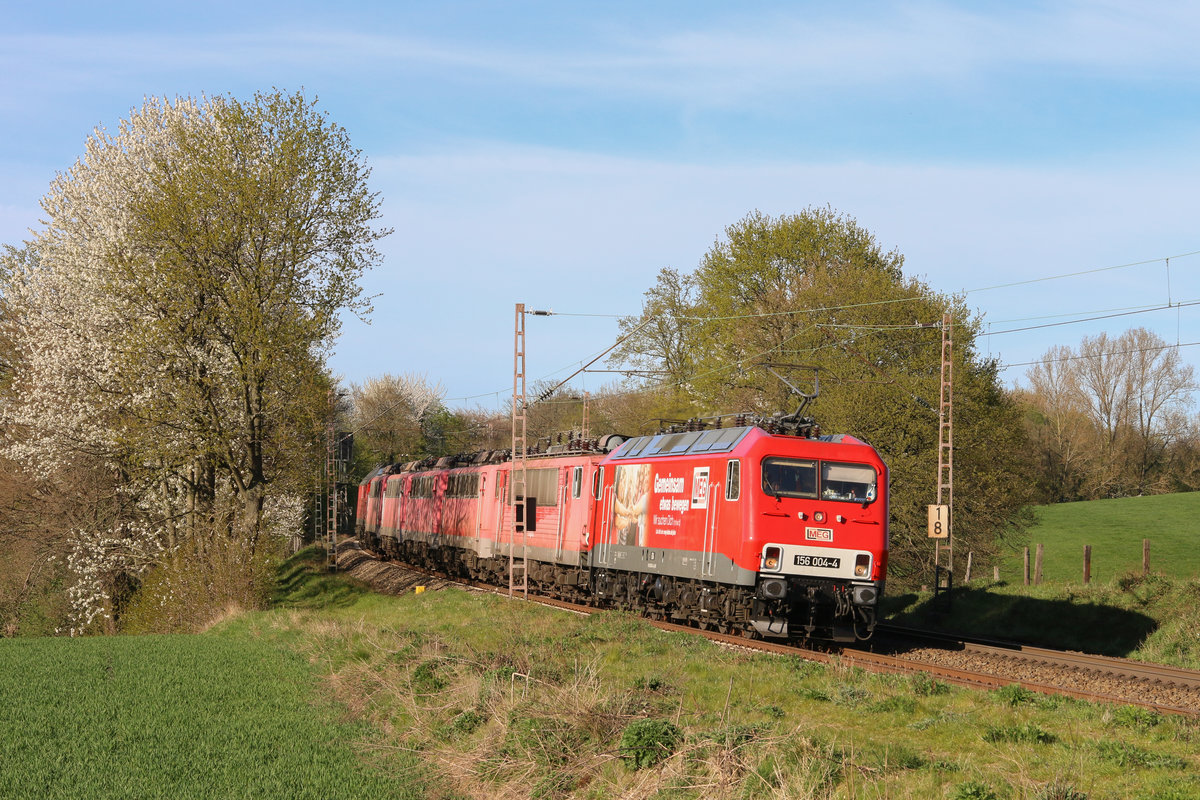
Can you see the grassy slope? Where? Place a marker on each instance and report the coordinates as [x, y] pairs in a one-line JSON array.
[[1115, 530], [512, 700]]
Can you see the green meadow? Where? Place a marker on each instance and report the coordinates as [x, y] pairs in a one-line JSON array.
[[1115, 530]]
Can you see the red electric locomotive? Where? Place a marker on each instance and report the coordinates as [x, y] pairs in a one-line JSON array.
[[741, 528]]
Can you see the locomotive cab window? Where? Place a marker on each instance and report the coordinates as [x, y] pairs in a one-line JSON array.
[[789, 477], [577, 482], [733, 479], [853, 483]]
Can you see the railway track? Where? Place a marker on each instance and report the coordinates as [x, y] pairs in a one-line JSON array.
[[962, 662], [1084, 675]]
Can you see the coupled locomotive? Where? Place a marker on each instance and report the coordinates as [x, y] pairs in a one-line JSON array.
[[744, 528]]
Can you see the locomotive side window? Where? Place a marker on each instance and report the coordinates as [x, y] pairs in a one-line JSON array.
[[543, 485], [850, 482], [577, 482], [597, 482], [789, 477], [422, 487], [463, 485], [733, 479]]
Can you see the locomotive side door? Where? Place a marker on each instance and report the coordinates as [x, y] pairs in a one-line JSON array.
[[482, 540], [712, 521], [603, 528]]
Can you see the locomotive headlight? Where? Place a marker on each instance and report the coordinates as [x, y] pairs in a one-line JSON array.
[[771, 558], [818, 516], [862, 562]]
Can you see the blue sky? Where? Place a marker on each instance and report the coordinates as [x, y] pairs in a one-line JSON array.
[[560, 154]]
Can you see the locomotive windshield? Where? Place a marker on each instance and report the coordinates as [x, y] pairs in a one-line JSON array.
[[791, 477], [851, 482]]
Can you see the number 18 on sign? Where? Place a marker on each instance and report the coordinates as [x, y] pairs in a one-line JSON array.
[[939, 522]]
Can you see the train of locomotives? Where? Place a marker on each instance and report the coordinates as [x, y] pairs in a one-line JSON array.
[[741, 528]]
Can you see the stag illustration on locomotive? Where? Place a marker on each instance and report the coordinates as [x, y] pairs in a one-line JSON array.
[[763, 526]]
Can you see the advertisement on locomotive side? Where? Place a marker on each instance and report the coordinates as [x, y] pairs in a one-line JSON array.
[[648, 503]]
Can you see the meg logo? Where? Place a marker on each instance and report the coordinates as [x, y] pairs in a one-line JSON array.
[[700, 487]]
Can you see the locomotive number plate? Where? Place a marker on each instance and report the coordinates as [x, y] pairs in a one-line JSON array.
[[821, 562]]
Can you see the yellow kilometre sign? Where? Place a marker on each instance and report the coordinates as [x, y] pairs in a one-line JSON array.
[[939, 522]]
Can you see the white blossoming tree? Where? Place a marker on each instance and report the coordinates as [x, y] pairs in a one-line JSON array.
[[171, 321]]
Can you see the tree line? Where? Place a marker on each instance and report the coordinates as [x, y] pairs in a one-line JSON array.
[[1111, 419]]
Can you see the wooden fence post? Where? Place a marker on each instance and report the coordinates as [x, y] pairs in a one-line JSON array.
[[1037, 565], [1145, 557], [967, 575], [1087, 564], [996, 573], [1025, 568]]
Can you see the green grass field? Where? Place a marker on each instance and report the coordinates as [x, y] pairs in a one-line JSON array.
[[1115, 530], [207, 716]]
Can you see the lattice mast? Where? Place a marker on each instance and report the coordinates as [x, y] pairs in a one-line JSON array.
[[331, 492], [945, 476], [520, 452]]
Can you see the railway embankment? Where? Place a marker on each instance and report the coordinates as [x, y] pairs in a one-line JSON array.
[[514, 695]]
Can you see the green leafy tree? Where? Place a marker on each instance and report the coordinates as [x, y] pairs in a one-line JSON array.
[[815, 289]]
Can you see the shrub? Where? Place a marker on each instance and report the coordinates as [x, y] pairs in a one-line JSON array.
[[1060, 791], [1015, 695], [426, 678], [547, 740], [653, 683], [923, 684], [973, 790], [1135, 717], [463, 723], [900, 703], [645, 742]]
